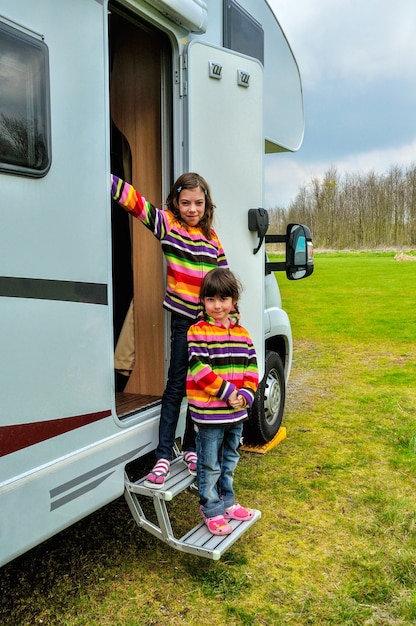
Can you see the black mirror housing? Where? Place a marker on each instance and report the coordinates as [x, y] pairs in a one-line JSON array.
[[299, 252]]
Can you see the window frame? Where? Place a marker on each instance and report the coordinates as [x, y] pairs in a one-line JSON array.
[[39, 101]]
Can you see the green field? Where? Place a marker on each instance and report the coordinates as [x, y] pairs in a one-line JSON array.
[[337, 540]]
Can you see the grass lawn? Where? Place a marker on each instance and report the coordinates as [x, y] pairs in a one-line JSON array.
[[337, 540]]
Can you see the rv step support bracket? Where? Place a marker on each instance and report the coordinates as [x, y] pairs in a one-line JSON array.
[[198, 540]]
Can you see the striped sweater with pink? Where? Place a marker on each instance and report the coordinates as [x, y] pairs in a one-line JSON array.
[[220, 360], [189, 255]]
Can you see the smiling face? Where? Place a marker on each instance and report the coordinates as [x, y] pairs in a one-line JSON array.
[[191, 204], [219, 308]]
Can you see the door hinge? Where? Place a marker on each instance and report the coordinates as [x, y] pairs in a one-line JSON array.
[[180, 76]]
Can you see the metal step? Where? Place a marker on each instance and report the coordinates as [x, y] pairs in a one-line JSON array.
[[198, 541], [179, 480]]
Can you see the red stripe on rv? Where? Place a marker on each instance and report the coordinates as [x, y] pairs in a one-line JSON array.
[[19, 436]]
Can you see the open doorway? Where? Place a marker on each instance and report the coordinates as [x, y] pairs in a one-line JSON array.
[[140, 88]]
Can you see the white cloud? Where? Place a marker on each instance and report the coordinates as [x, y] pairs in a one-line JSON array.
[[381, 160], [286, 174]]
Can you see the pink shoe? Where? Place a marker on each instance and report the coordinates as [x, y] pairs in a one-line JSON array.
[[156, 478], [238, 512], [217, 525]]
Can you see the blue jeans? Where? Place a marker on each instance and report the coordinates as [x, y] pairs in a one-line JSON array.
[[175, 390], [217, 450]]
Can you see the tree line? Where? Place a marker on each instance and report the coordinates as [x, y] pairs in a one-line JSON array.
[[356, 210]]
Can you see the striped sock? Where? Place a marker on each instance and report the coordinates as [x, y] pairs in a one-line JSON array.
[[159, 472]]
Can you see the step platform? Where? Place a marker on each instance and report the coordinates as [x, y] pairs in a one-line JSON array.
[[178, 480], [198, 541]]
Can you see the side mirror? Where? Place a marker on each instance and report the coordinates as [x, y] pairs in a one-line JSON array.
[[299, 252]]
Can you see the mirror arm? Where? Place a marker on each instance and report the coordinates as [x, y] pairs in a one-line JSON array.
[[275, 267], [275, 239]]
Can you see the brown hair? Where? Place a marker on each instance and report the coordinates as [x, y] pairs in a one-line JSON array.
[[221, 282], [191, 180]]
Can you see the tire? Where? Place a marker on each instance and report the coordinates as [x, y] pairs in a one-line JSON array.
[[267, 411]]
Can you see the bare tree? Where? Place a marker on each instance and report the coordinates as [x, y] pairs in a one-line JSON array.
[[357, 210]]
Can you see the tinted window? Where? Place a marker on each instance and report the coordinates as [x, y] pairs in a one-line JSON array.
[[242, 32], [24, 103]]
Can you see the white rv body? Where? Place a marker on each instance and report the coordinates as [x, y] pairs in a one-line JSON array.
[[63, 444]]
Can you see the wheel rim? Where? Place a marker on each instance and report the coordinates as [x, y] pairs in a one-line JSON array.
[[272, 397]]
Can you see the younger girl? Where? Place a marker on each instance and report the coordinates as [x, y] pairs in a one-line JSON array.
[[191, 248], [221, 383]]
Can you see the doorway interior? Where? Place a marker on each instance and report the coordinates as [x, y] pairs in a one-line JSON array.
[[141, 148]]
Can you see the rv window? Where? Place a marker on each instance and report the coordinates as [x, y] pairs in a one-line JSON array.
[[242, 32], [24, 104]]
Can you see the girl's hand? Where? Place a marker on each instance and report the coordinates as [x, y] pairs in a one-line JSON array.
[[236, 401]]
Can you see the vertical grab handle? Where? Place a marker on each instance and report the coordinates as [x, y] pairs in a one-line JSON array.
[[258, 221]]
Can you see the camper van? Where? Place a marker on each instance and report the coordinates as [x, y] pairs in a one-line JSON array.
[[146, 89]]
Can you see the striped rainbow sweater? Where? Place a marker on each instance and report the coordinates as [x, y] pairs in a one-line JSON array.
[[189, 255], [220, 361]]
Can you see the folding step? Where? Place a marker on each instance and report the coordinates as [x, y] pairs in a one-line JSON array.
[[199, 540], [179, 480]]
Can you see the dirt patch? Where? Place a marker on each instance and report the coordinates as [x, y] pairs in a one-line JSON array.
[[305, 385], [404, 257]]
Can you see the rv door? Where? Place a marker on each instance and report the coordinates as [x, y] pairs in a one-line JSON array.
[[225, 145]]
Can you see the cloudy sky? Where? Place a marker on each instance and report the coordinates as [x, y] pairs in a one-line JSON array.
[[357, 60]]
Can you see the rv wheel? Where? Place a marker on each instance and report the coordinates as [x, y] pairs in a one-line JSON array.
[[267, 410]]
